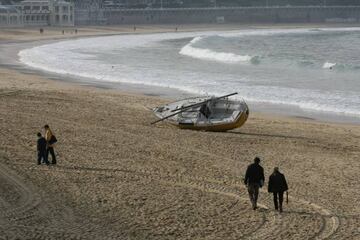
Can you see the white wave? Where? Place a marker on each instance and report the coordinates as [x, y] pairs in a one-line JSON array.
[[269, 32], [328, 65], [78, 57], [208, 54], [339, 103], [306, 99]]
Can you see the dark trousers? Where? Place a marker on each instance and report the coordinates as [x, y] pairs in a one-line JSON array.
[[42, 156], [278, 200], [253, 189], [51, 151]]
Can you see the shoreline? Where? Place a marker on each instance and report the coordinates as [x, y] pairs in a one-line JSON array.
[[10, 51], [9, 59], [118, 177]]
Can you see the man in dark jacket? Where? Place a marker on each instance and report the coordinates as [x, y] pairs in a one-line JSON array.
[[277, 186], [41, 149], [254, 179]]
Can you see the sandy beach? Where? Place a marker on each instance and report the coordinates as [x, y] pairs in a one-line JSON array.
[[118, 177]]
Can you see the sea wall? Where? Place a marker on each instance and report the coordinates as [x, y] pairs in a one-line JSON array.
[[315, 14]]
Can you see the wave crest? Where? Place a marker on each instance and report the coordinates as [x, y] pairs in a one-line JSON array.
[[208, 54], [329, 65]]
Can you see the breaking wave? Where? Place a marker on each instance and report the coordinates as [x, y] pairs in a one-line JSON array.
[[294, 80], [329, 65], [208, 54]]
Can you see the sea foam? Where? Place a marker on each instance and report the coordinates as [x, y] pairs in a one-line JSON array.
[[83, 57], [329, 65], [208, 54]]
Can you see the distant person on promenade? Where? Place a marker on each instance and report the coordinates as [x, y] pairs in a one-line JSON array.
[[41, 149], [254, 179], [277, 186], [50, 140]]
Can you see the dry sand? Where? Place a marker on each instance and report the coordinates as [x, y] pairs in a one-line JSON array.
[[118, 177]]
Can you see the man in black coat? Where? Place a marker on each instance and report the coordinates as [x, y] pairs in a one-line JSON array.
[[41, 149], [277, 186], [254, 179]]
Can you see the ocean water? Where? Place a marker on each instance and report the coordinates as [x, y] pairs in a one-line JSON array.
[[311, 71]]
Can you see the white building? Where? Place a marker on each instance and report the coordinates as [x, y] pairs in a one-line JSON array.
[[10, 16], [47, 12], [62, 13]]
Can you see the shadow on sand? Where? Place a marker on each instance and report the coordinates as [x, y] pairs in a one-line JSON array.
[[269, 135]]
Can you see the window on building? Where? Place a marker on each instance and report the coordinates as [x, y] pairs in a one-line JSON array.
[[36, 8], [45, 8], [13, 19], [57, 9], [65, 8]]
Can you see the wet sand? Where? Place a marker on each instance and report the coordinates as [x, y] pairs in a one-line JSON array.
[[118, 177]]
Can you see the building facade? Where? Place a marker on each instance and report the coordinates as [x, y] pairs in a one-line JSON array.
[[10, 16], [38, 13], [62, 14], [89, 12], [47, 12], [248, 15], [35, 13]]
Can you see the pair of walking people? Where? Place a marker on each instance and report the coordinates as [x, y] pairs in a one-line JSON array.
[[45, 145], [254, 179]]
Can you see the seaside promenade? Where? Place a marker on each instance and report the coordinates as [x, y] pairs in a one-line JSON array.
[[118, 177]]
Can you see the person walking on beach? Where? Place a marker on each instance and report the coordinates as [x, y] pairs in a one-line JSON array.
[[50, 140], [41, 149], [277, 186], [254, 179]]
